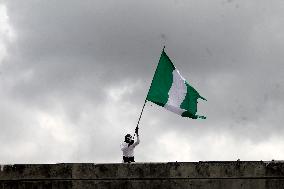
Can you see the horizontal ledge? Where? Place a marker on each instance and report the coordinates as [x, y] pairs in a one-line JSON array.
[[137, 178]]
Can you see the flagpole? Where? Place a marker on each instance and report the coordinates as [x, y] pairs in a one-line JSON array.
[[145, 103], [141, 112]]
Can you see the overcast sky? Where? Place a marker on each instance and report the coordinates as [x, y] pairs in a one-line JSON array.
[[74, 76]]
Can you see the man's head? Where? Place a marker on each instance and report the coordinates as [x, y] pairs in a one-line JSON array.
[[128, 138]]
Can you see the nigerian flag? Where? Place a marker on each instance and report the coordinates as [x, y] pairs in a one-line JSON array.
[[170, 90]]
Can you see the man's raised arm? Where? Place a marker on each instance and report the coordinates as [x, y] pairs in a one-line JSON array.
[[138, 139]]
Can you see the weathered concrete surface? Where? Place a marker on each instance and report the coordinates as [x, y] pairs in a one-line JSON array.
[[180, 175]]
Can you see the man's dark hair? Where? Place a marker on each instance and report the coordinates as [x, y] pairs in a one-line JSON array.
[[126, 137]]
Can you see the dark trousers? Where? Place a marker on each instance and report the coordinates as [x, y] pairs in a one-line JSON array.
[[128, 159]]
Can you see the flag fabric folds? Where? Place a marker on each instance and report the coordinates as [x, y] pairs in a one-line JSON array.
[[171, 91]]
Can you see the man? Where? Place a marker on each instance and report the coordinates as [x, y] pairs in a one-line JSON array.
[[128, 146]]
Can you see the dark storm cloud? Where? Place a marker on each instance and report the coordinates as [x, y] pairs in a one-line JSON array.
[[87, 66]]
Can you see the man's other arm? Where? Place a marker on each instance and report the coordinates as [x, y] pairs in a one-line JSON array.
[[123, 146]]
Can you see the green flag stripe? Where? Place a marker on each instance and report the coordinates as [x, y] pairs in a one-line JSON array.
[[190, 100], [162, 81]]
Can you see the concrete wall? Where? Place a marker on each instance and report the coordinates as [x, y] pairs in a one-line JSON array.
[[180, 175]]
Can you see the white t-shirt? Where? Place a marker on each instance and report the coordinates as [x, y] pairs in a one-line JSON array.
[[128, 151]]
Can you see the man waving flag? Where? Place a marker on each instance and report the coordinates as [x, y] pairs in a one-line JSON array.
[[170, 90]]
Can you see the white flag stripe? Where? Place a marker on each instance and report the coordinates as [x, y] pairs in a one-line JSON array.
[[174, 109], [176, 93]]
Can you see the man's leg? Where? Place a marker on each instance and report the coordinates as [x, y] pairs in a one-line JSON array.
[[125, 159], [131, 159]]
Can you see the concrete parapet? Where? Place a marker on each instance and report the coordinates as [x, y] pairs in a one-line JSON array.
[[181, 175]]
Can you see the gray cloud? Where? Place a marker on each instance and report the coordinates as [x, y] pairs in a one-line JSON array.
[[74, 79]]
